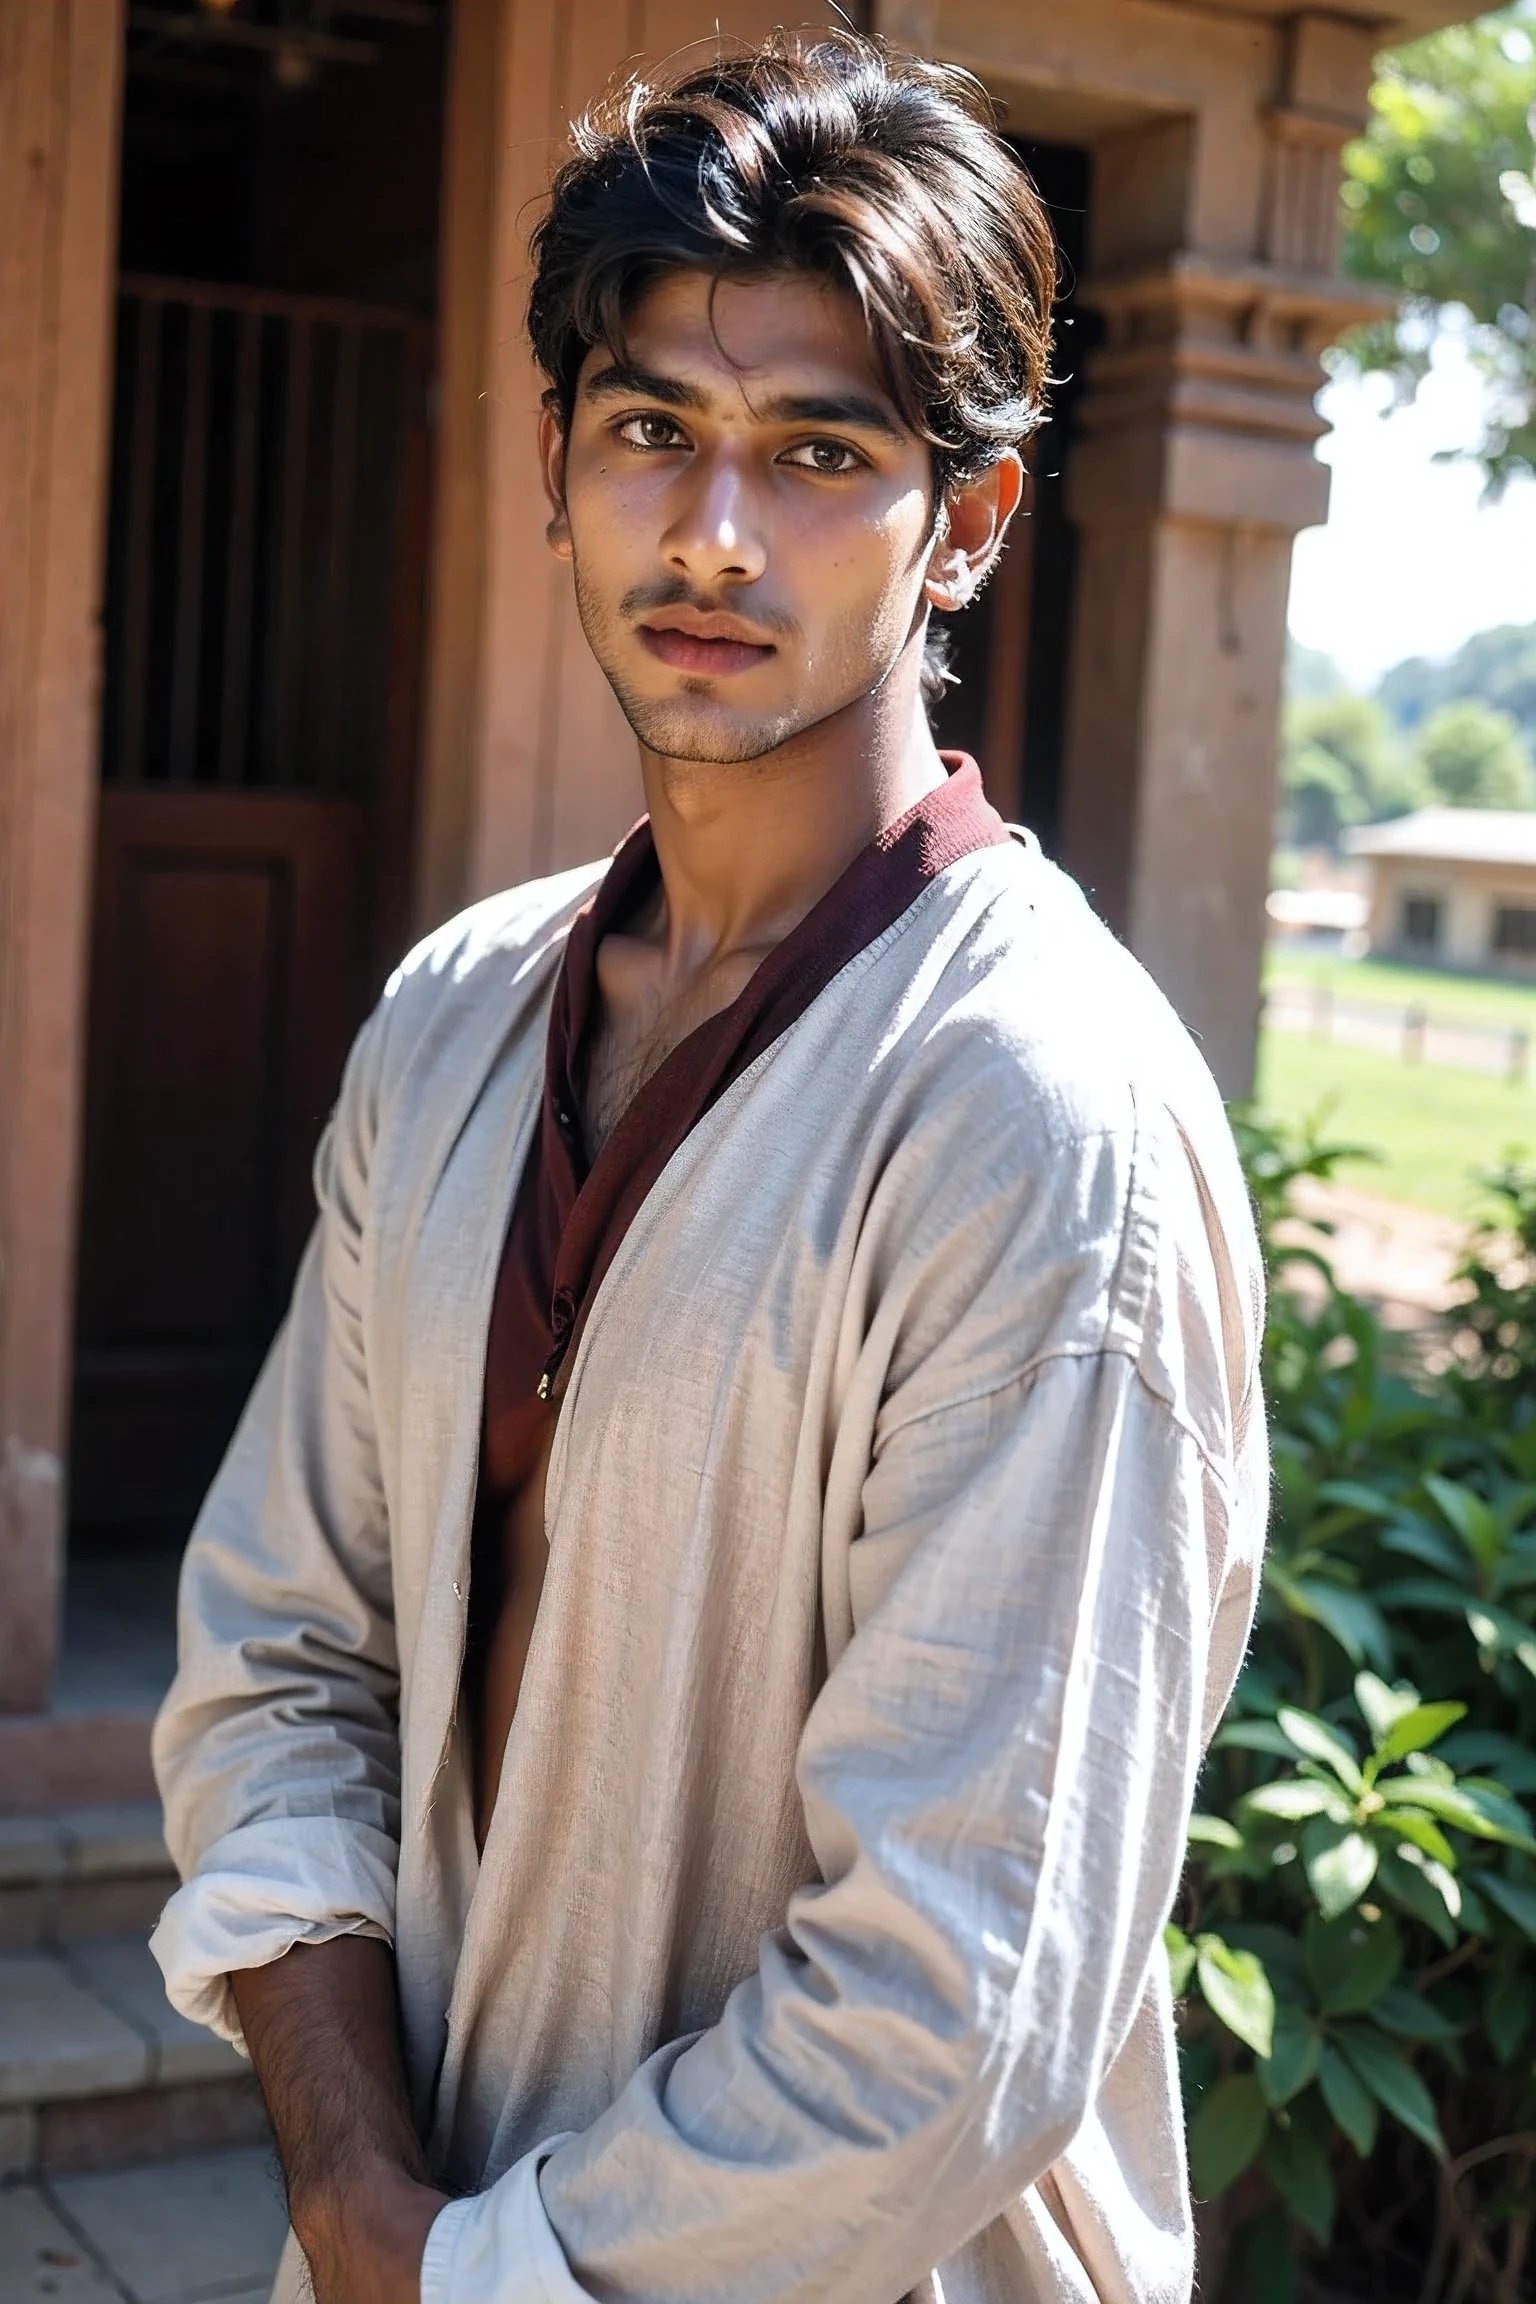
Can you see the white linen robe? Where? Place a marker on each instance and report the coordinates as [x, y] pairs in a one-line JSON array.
[[905, 1518]]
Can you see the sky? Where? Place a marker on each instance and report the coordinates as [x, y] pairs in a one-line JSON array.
[[1410, 563]]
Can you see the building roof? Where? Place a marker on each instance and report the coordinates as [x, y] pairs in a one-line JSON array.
[[1453, 836], [1316, 908]]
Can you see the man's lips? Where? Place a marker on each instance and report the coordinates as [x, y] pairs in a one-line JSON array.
[[702, 652]]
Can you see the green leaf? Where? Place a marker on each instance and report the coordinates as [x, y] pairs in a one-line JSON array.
[[1507, 2003], [1411, 2016], [1225, 2134], [1393, 2082], [1297, 2166], [1349, 2100], [1430, 1545], [1357, 1624], [1433, 1594], [1499, 1632], [1423, 1726], [1181, 1959], [1295, 1799], [1382, 1707], [1474, 1521], [1254, 1736], [1375, 1502], [1236, 1990], [1512, 1765], [1293, 2059], [1517, 1904], [1351, 1960], [1319, 1742], [1410, 1824], [1465, 1807], [1497, 1808], [1278, 1948], [1425, 1898], [1213, 1832], [1340, 1864]]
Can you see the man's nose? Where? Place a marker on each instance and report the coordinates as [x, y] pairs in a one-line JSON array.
[[718, 529]]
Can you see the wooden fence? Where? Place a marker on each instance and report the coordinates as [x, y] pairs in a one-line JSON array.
[[1411, 1032]]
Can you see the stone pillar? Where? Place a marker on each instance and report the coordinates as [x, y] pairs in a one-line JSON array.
[[60, 67], [1193, 470]]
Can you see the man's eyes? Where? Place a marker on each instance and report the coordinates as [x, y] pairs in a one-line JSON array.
[[650, 432], [827, 456]]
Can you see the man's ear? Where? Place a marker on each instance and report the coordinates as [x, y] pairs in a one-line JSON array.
[[552, 465], [971, 529]]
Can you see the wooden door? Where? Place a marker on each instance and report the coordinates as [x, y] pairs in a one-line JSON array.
[[225, 985], [264, 581]]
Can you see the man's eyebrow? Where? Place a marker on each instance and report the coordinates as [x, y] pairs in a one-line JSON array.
[[622, 376], [857, 408], [860, 409]]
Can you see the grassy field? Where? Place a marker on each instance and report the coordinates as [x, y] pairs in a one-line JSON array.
[[1474, 999], [1431, 1125]]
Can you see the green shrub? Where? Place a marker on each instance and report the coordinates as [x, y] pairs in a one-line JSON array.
[[1355, 1946]]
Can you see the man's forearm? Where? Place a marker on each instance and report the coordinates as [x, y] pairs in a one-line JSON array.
[[323, 2032]]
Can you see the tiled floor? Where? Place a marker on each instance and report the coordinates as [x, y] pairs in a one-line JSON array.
[[189, 2231]]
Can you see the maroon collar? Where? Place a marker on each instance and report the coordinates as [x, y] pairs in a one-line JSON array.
[[869, 897], [571, 1214]]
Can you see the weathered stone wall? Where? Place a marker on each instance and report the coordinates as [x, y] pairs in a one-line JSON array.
[[60, 65]]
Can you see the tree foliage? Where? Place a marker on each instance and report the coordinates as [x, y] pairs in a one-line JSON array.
[[1470, 756], [1440, 204], [1342, 764], [1497, 667], [1345, 763], [1355, 1944]]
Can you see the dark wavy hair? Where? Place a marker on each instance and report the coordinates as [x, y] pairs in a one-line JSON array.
[[826, 153]]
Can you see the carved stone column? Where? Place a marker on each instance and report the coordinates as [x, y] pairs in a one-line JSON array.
[[1193, 470]]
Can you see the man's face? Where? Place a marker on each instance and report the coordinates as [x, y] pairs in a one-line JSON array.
[[750, 520]]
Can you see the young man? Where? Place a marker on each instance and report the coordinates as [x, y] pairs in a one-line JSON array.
[[695, 1667]]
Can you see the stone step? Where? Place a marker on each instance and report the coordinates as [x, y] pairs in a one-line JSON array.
[[81, 1873], [96, 2068]]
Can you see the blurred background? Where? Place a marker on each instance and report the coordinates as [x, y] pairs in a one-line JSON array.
[[1401, 972]]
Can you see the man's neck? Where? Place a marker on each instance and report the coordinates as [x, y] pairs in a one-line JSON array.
[[747, 849]]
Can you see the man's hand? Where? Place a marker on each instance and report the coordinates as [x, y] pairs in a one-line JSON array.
[[364, 2239], [323, 2031]]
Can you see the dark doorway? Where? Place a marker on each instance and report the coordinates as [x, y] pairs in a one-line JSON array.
[[1009, 652], [266, 567]]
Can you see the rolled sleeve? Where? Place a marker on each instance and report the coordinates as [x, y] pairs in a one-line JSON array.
[[260, 1891], [277, 1749]]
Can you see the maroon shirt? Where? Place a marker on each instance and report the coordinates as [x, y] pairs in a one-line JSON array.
[[571, 1214]]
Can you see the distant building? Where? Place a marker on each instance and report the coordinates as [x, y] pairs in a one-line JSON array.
[[1319, 919], [1454, 887]]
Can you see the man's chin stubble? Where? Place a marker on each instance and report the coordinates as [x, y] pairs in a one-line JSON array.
[[674, 734]]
